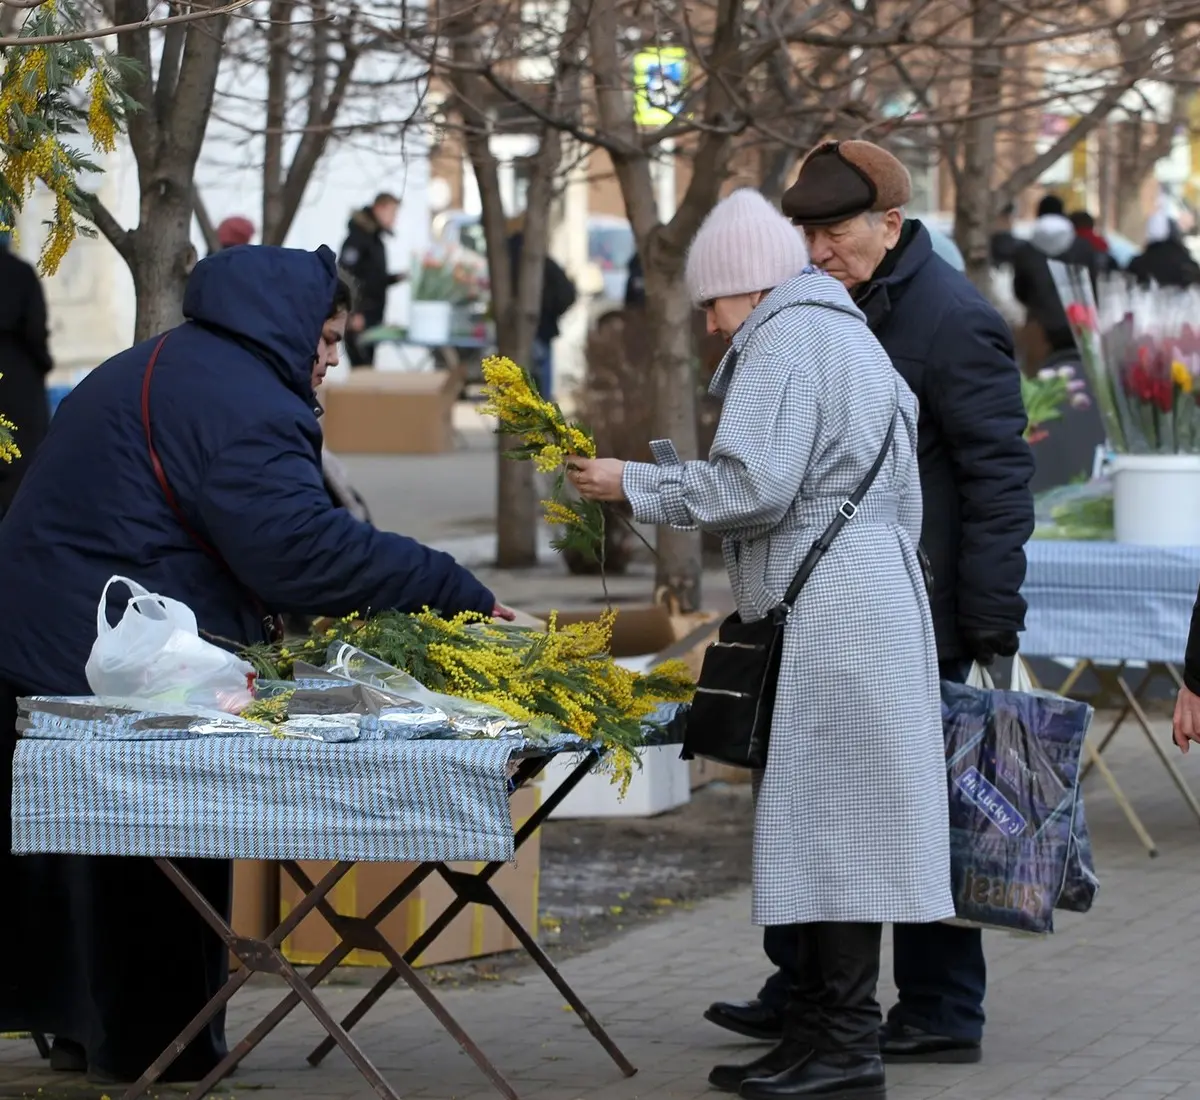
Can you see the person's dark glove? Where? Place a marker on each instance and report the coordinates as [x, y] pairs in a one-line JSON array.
[[985, 646]]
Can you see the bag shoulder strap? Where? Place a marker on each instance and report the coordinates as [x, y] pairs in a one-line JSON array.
[[271, 624], [846, 512]]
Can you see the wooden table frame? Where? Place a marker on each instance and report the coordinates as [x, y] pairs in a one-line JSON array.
[[1114, 676], [354, 932]]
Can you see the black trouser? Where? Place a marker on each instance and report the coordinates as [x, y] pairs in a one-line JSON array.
[[832, 973]]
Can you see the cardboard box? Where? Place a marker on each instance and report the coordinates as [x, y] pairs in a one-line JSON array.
[[702, 772], [255, 898], [475, 932], [391, 412]]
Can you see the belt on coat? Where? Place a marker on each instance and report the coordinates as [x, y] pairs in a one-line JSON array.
[[811, 518], [881, 507]]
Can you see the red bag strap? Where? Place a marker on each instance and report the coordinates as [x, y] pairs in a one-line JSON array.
[[272, 624]]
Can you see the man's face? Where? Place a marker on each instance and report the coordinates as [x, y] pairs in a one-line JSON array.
[[850, 251], [385, 214], [332, 333]]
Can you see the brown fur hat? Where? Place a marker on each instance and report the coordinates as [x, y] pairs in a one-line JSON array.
[[842, 179]]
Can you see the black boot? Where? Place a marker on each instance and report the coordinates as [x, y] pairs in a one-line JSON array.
[[754, 1019], [841, 1076], [901, 1043], [785, 1056], [67, 1056], [845, 1064]]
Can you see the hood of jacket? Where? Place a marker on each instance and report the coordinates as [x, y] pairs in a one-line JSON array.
[[1052, 234], [812, 289], [273, 301], [364, 221]]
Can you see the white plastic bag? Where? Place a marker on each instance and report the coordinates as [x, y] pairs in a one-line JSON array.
[[979, 677], [156, 653], [1022, 678]]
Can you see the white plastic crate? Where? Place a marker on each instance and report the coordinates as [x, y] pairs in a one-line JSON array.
[[661, 784]]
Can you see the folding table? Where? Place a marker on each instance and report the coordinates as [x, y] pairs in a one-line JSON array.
[[1109, 608], [427, 801]]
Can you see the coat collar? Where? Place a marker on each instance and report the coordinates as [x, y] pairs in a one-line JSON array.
[[812, 287], [875, 298]]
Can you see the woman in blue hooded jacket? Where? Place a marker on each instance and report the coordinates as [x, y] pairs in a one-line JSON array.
[[191, 463]]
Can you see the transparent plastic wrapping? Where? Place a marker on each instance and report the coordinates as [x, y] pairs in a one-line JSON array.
[[406, 707]]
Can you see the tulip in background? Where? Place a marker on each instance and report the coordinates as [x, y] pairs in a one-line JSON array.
[[1141, 354], [1045, 396]]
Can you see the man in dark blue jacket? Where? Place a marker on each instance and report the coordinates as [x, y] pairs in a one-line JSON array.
[[230, 411], [956, 354]]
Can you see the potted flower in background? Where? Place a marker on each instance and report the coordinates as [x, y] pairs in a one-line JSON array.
[[1141, 354], [444, 281]]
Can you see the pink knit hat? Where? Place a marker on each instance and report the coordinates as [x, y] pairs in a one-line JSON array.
[[745, 245]]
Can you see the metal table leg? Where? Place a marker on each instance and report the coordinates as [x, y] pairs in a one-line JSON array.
[[256, 956], [473, 889]]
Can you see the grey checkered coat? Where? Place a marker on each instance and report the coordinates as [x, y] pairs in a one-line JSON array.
[[851, 820]]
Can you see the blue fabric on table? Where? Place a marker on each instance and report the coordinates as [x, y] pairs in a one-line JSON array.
[[1012, 766], [1108, 601], [148, 784], [263, 798]]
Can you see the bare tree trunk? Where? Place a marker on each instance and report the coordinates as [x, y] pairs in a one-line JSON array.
[[973, 198], [664, 248], [778, 164], [279, 63], [516, 306], [1130, 221], [680, 556], [1140, 146], [159, 271], [166, 135]]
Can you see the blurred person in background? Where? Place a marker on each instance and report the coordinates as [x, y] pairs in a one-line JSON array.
[[558, 296], [1054, 238], [1085, 229], [364, 256], [1003, 244], [635, 285], [235, 231], [1166, 260], [955, 352], [24, 363]]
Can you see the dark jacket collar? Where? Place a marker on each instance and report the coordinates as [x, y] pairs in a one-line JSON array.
[[912, 252]]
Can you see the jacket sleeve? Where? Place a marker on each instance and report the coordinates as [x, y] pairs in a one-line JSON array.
[[354, 256], [974, 397], [757, 464], [1191, 664], [559, 288], [1021, 282], [265, 508]]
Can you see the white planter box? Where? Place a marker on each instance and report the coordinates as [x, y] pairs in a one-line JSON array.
[[1156, 499], [429, 323], [661, 784]]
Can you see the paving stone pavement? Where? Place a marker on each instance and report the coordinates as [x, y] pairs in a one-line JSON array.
[[1106, 1007]]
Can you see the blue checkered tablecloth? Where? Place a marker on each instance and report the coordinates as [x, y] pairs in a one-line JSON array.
[[1109, 602], [140, 783], [264, 798]]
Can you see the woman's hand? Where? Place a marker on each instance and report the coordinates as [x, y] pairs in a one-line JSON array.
[[502, 612], [1187, 719], [597, 478]]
